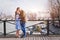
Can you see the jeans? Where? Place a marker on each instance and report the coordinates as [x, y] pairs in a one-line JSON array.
[[23, 27]]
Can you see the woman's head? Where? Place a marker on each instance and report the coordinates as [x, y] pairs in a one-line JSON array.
[[18, 8], [22, 15]]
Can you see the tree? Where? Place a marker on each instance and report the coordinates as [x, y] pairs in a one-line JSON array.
[[54, 8]]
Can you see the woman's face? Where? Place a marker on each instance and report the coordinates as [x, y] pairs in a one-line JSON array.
[[18, 9]]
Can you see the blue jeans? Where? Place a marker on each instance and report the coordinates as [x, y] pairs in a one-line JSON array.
[[23, 27]]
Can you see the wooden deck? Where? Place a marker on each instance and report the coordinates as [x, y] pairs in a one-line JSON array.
[[31, 37]]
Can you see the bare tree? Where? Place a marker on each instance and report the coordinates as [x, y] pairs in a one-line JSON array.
[[54, 8], [58, 1], [58, 9]]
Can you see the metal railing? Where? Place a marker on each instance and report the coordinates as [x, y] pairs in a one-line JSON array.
[[4, 23]]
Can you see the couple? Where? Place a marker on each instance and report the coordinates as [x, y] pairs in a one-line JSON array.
[[20, 22]]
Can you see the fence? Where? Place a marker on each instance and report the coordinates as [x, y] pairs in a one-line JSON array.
[[48, 23]]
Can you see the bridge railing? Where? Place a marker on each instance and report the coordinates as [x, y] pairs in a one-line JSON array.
[[4, 25]]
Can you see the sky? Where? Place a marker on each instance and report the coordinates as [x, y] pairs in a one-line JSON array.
[[9, 6]]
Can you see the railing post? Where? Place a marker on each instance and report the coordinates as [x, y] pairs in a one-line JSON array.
[[4, 27], [47, 27], [59, 23]]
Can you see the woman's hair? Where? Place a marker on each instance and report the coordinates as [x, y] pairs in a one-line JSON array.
[[18, 8], [22, 15]]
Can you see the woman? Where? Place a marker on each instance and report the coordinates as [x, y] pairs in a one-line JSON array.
[[17, 18], [22, 22]]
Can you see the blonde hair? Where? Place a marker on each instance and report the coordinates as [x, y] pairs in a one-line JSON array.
[[22, 15]]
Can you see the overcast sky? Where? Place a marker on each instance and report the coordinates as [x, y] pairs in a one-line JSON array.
[[9, 6]]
